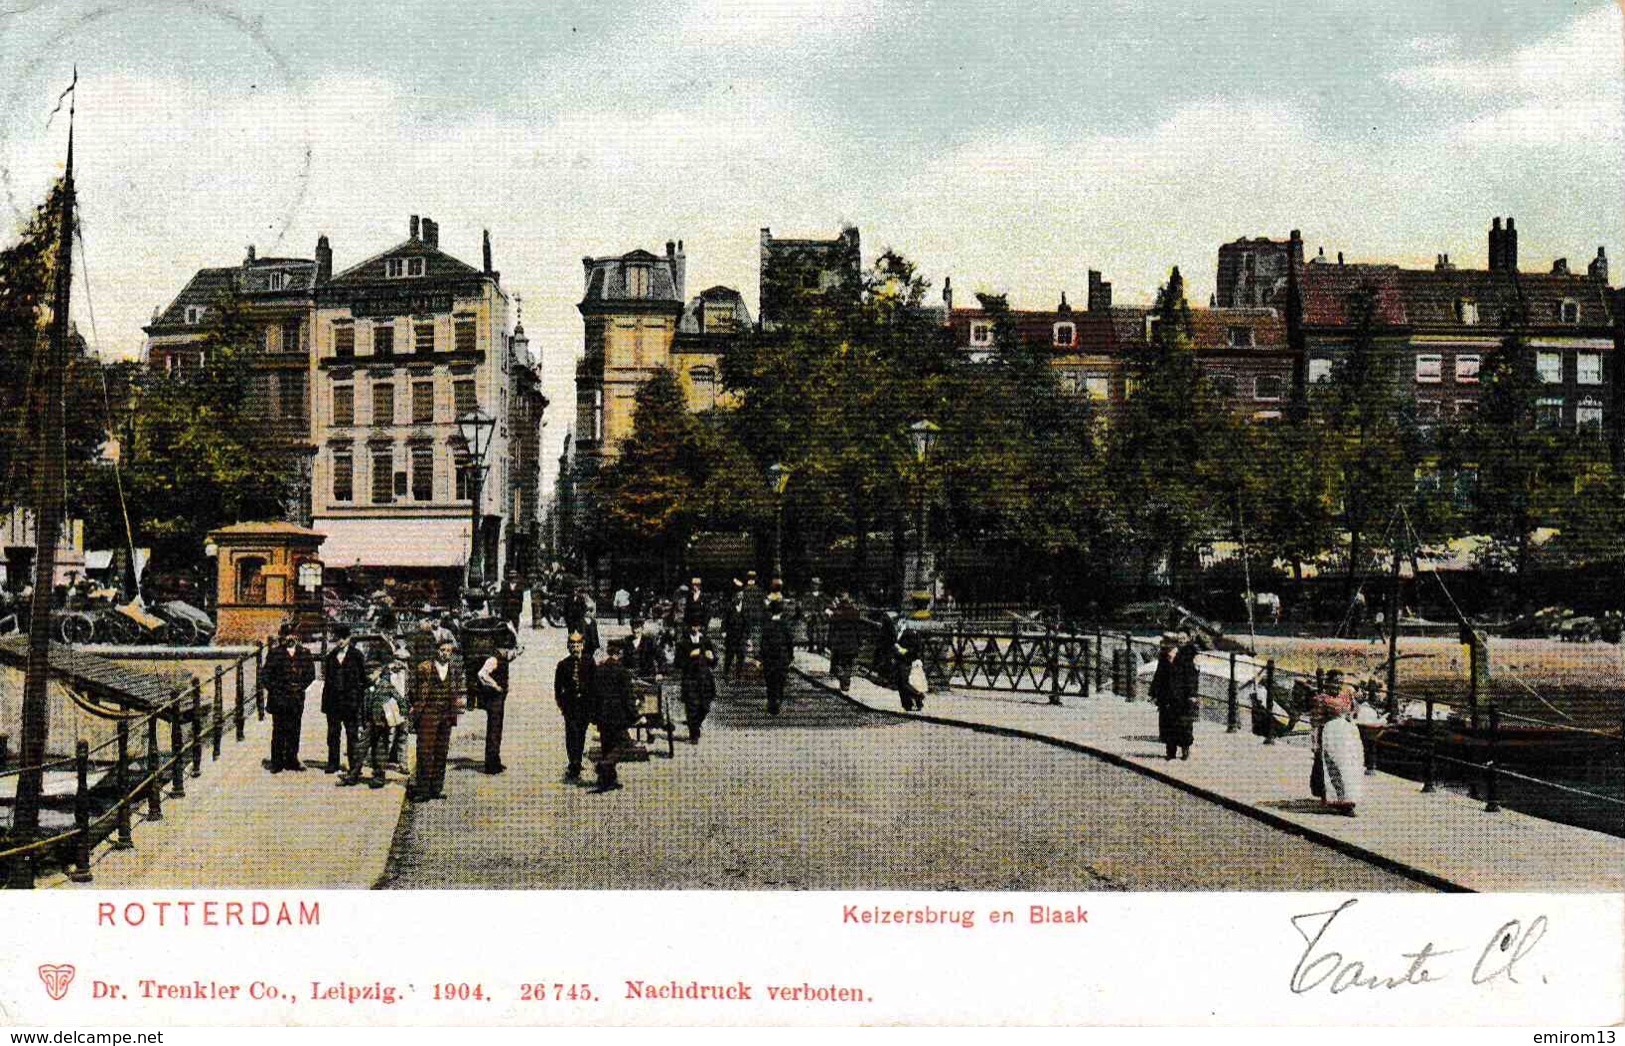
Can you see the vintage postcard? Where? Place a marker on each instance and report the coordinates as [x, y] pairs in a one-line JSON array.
[[817, 512]]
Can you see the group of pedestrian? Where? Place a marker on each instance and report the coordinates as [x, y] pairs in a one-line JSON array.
[[1176, 691], [594, 688], [418, 687]]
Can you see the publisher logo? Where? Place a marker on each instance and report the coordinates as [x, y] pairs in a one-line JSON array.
[[57, 978]]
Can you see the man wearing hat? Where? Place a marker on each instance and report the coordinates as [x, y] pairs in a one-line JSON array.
[[694, 609], [344, 680], [572, 679], [735, 631], [288, 671], [614, 710], [697, 661], [816, 609], [776, 652], [755, 613]]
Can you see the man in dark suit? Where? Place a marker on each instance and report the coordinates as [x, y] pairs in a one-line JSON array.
[[776, 652], [697, 661], [572, 680], [735, 632], [437, 699], [614, 710], [344, 681], [694, 608], [288, 670]]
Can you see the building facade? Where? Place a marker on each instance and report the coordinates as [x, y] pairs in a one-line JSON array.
[[800, 279], [404, 344]]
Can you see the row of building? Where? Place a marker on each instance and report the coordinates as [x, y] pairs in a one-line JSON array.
[[368, 369]]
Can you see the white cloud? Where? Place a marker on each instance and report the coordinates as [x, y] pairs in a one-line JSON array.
[[1565, 63]]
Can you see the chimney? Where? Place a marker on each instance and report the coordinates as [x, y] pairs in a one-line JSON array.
[[1063, 307], [1340, 257], [1100, 292], [1598, 269], [1295, 246], [1444, 264], [1560, 267], [250, 260], [324, 260], [679, 265], [414, 226], [1509, 248], [486, 249], [431, 234], [948, 294]]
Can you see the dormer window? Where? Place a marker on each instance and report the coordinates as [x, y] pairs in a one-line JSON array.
[[1241, 337], [1066, 334], [1569, 311], [194, 314], [981, 334], [397, 268], [1467, 312], [277, 281], [718, 319], [637, 281]]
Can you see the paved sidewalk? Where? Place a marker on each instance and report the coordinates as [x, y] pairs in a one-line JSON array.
[[242, 827], [1441, 838]]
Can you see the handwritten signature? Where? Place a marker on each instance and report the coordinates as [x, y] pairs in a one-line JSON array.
[[1321, 966]]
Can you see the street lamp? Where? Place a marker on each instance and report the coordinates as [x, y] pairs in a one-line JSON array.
[[923, 434], [777, 477], [476, 427]]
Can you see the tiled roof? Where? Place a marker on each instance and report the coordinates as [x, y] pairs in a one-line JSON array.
[[1432, 297], [1210, 329], [606, 278], [1327, 290], [208, 286], [690, 323], [438, 267]]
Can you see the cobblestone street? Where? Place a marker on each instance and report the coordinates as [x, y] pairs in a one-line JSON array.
[[826, 796]]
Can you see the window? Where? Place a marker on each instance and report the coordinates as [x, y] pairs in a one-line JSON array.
[[422, 473], [423, 403], [1589, 370], [194, 314], [423, 339], [1465, 409], [1320, 370], [1467, 370], [1588, 416], [343, 341], [277, 281], [383, 341], [463, 397], [251, 580], [1224, 386], [394, 268], [383, 404], [1429, 411], [1098, 386], [459, 464], [981, 334], [1467, 312], [415, 266], [637, 281], [343, 476], [1065, 334], [1429, 369], [598, 415], [1549, 367], [705, 384], [1549, 413], [383, 475], [1268, 387], [718, 319], [1569, 311], [464, 336], [1241, 337], [344, 404], [292, 336], [400, 486]]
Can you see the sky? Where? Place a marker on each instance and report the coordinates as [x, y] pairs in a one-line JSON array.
[[1011, 146]]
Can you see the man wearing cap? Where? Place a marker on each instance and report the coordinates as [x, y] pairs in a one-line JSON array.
[[436, 700], [776, 652], [288, 671], [614, 710], [572, 679], [344, 680]]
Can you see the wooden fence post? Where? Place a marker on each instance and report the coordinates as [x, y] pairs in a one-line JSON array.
[[259, 688], [1232, 718], [237, 716], [124, 840], [177, 768], [197, 729], [219, 714], [1269, 701], [80, 873], [155, 763]]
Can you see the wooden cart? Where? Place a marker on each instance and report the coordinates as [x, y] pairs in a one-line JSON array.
[[654, 715]]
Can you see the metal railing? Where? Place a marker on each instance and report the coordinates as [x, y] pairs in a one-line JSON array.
[[103, 809]]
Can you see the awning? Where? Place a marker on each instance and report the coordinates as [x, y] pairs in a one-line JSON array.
[[393, 542]]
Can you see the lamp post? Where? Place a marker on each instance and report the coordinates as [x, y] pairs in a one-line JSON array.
[[777, 477], [476, 428], [923, 435]]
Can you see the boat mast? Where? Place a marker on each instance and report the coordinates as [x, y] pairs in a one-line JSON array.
[[49, 483], [1393, 641]]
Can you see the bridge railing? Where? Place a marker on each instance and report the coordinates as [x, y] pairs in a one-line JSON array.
[[111, 781]]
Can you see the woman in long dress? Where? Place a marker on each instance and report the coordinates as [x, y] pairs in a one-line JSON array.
[[1338, 745]]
